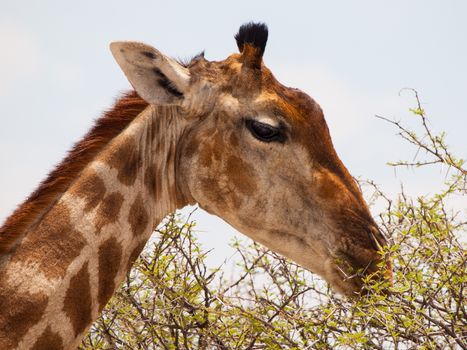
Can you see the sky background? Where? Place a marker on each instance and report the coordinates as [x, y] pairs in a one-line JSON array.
[[353, 57]]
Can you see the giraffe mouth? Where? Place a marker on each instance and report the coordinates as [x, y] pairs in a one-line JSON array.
[[351, 274]]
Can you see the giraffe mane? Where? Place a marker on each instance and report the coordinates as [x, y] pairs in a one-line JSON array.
[[108, 126]]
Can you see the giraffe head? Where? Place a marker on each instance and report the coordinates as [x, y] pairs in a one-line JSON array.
[[259, 155]]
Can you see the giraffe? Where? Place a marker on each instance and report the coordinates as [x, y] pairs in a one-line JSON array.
[[224, 134]]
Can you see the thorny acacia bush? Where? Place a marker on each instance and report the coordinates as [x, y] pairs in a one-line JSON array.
[[172, 300]]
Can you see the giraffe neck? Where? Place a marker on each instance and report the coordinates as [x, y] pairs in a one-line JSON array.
[[65, 269]]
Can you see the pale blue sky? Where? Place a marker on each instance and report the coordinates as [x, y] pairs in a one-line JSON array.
[[353, 57]]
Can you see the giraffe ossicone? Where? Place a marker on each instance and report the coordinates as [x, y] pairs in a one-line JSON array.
[[224, 134]]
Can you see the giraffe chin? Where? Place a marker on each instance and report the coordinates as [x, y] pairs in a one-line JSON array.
[[344, 267]]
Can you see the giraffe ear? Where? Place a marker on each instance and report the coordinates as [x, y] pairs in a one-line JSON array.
[[157, 78]]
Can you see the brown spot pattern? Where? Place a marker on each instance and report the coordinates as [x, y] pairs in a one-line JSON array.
[[135, 254], [110, 257], [92, 188], [108, 210], [234, 140], [77, 304], [192, 147], [18, 313], [212, 150], [48, 341], [240, 174], [210, 188], [150, 181], [127, 160], [206, 157], [138, 217], [53, 245]]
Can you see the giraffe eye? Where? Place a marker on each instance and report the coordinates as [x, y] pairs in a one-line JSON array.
[[264, 132]]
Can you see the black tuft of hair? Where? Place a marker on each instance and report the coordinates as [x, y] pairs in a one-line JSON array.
[[252, 33]]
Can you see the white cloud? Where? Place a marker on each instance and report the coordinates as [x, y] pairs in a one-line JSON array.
[[20, 56]]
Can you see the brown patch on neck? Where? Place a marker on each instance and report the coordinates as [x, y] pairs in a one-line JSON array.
[[152, 181], [108, 210], [138, 217], [48, 341], [91, 187], [19, 312], [135, 254], [110, 256], [47, 247], [112, 123], [127, 160], [78, 304]]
